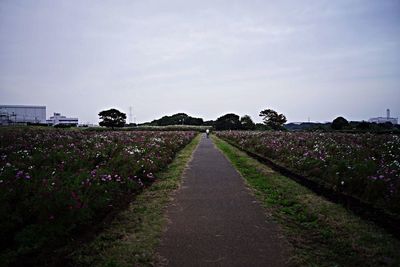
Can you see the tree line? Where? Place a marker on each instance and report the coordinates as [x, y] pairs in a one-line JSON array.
[[271, 120]]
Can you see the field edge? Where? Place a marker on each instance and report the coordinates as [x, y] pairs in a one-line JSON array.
[[321, 233], [132, 237]]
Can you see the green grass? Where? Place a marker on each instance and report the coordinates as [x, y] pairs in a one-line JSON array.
[[320, 232], [132, 237]]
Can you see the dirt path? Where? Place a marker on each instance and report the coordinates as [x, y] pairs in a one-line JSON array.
[[215, 221]]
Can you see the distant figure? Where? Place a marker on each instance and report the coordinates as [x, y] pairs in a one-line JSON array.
[[207, 132]]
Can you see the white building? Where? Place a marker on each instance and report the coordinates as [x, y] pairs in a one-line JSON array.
[[21, 114], [385, 119], [57, 119]]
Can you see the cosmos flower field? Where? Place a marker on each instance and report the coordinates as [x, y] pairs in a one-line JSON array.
[[366, 166], [54, 183]]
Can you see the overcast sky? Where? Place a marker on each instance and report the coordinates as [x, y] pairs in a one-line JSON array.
[[306, 59]]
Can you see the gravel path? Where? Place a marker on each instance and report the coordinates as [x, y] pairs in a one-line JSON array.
[[214, 219]]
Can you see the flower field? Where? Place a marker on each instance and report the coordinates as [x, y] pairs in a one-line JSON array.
[[56, 183], [366, 166]]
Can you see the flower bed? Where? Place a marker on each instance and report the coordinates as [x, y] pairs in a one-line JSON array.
[[53, 183], [366, 166]]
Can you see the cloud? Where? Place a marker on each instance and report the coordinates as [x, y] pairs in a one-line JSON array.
[[163, 56]]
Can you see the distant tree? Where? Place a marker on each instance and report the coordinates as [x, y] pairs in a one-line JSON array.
[[194, 121], [228, 122], [363, 125], [112, 118], [177, 119], [339, 123], [247, 123], [209, 123], [387, 125], [272, 119]]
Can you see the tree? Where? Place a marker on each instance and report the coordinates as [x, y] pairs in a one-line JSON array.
[[247, 123], [339, 123], [229, 121], [177, 119], [272, 119], [112, 118], [194, 121], [363, 125], [209, 123]]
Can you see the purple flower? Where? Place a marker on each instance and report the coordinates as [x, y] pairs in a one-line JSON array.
[[19, 174]]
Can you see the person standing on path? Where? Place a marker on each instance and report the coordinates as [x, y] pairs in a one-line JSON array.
[[207, 132]]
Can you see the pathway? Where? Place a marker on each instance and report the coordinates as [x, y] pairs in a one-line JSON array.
[[214, 219]]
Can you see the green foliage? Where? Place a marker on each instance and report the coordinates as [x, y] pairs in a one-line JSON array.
[[112, 118], [209, 123], [247, 123], [387, 125], [272, 119], [177, 119], [363, 126], [339, 123], [229, 121]]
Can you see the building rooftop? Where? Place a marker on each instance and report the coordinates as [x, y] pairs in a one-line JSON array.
[[21, 106]]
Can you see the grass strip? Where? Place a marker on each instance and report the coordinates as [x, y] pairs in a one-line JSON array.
[[132, 237], [321, 233]]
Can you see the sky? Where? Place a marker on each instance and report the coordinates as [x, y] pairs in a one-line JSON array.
[[310, 60]]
